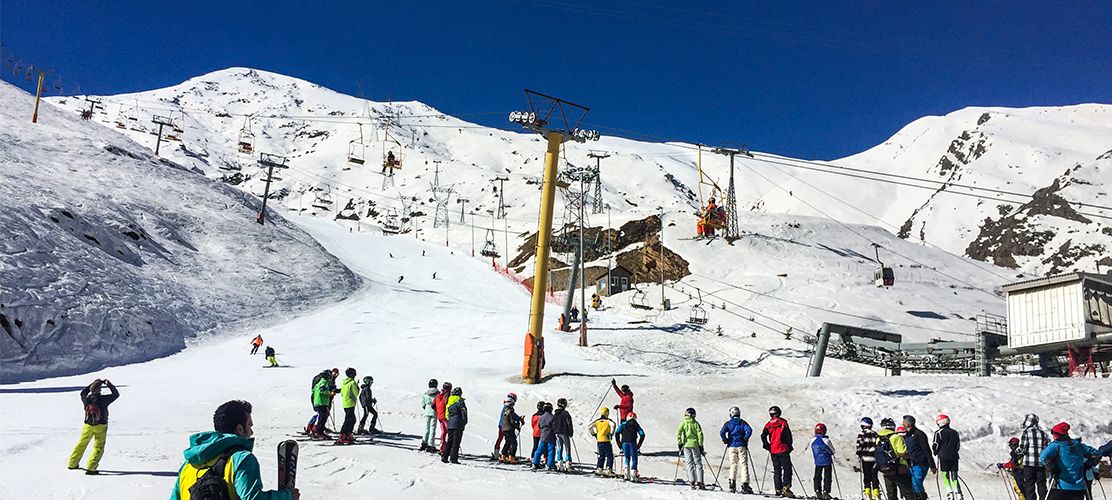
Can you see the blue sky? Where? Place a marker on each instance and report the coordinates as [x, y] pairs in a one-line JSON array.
[[808, 79]]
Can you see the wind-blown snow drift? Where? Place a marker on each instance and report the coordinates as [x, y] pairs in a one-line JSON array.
[[109, 255]]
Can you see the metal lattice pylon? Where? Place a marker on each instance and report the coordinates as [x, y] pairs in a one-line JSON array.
[[731, 206], [597, 205], [442, 195]]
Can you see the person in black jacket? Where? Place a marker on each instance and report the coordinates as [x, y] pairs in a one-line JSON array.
[[367, 401], [96, 424], [563, 428], [919, 453], [947, 442], [456, 411]]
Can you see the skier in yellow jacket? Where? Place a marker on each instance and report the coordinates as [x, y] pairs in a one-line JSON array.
[[603, 431], [689, 437], [349, 397]]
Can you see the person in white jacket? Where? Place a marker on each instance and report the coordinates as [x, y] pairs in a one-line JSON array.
[[428, 441]]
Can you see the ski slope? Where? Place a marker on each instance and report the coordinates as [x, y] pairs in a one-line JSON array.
[[466, 326]]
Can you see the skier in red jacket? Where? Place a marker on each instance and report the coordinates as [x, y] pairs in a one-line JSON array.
[[626, 406], [777, 439], [440, 402]]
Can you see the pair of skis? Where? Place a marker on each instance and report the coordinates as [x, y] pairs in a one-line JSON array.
[[287, 464]]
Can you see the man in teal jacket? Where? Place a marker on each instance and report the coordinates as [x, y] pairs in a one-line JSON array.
[[1065, 459], [232, 438]]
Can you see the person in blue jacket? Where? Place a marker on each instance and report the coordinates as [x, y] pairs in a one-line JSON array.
[[1066, 461], [823, 451], [735, 435], [230, 443]]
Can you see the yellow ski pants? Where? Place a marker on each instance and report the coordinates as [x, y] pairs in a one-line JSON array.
[[97, 433]]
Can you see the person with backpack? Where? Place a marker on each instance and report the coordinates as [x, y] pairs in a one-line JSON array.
[[866, 456], [509, 423], [823, 452], [1032, 443], [535, 421], [547, 447], [564, 429], [689, 438], [227, 450], [311, 428], [367, 401], [947, 442], [735, 435], [349, 397], [919, 456], [625, 407], [630, 438], [441, 405], [428, 438], [776, 438], [95, 428], [603, 431], [455, 413], [1067, 461], [269, 352], [891, 461]]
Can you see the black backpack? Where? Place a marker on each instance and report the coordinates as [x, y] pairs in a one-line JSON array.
[[886, 459], [211, 485]]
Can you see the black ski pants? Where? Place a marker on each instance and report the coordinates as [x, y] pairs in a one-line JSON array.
[[322, 419], [349, 421], [373, 413], [1034, 481], [451, 448], [536, 443], [869, 475], [509, 443], [781, 470], [898, 486], [823, 478], [1057, 494]]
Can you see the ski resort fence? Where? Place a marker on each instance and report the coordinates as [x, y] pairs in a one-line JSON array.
[[552, 296]]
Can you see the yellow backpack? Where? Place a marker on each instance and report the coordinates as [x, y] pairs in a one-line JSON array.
[[194, 483]]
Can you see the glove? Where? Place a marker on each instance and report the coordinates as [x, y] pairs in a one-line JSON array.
[[680, 449], [766, 447], [374, 401], [702, 451], [726, 441], [614, 381], [1000, 466]]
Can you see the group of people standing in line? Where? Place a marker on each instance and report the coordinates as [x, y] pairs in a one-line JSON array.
[[352, 395]]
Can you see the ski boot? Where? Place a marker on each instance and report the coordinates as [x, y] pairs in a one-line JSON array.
[[701, 486], [745, 489], [733, 486], [787, 493]]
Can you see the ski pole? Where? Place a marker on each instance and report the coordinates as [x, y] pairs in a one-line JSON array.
[[936, 486], [604, 393], [575, 449], [1102, 493], [764, 475], [836, 481], [1007, 487], [962, 482], [719, 469], [802, 487], [720, 464], [749, 463], [678, 458]]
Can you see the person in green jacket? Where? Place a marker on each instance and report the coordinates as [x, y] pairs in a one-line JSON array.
[[322, 403], [689, 437], [349, 397], [230, 443]]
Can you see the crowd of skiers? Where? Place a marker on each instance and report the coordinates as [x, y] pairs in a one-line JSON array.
[[324, 391]]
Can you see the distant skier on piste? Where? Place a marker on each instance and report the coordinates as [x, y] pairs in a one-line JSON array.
[[456, 414], [630, 438], [95, 427], [776, 438], [270, 356], [227, 450], [367, 401], [440, 403], [946, 444], [349, 397], [563, 428], [823, 452], [256, 343], [509, 424], [866, 455], [625, 407], [735, 435], [428, 409], [547, 447], [603, 431], [689, 438]]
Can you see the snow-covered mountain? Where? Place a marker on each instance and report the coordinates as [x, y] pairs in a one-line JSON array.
[[109, 255]]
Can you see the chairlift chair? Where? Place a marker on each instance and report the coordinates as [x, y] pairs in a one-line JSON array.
[[323, 200], [637, 300], [698, 314], [356, 152], [883, 276], [489, 248], [246, 138]]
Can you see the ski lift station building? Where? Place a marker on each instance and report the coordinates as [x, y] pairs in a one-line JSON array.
[[1059, 313]]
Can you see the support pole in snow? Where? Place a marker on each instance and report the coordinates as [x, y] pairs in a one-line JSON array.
[[38, 95], [161, 121], [271, 162], [820, 351], [573, 280]]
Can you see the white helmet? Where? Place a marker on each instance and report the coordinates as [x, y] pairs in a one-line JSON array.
[[735, 412]]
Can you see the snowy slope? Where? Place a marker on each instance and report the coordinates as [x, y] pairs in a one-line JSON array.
[[109, 255], [466, 326]]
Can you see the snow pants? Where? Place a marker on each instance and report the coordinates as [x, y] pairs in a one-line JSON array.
[[322, 418], [694, 462], [443, 434], [1034, 480], [546, 450], [823, 478], [349, 421], [629, 450], [98, 434], [918, 475], [273, 362], [869, 477], [369, 411], [897, 486], [509, 443], [450, 453], [781, 470], [429, 437], [1059, 494], [254, 349], [950, 480], [605, 456], [563, 448], [536, 444], [739, 459]]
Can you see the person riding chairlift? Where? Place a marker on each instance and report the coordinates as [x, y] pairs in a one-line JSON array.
[[705, 226]]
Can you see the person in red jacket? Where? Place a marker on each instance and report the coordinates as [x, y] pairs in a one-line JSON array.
[[777, 439], [440, 402], [537, 427], [626, 406]]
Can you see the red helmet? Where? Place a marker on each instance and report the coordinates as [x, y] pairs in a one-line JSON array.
[[901, 429], [820, 428], [1013, 441], [631, 416], [942, 420]]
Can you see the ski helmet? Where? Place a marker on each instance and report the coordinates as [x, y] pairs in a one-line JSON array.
[[457, 391], [888, 423], [548, 407], [1013, 442], [942, 420], [604, 412], [625, 388], [631, 416], [350, 372], [447, 386], [901, 430], [511, 397], [735, 412], [367, 380], [820, 428], [540, 405], [432, 383], [562, 402], [774, 411], [866, 423], [689, 412]]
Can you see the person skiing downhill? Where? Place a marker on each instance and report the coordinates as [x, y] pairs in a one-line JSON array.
[[891, 460], [95, 427], [256, 343], [625, 407], [1067, 460], [535, 420], [630, 438], [563, 428], [1032, 443], [823, 452], [919, 453], [226, 449], [547, 447], [428, 438], [689, 438], [367, 401], [349, 397], [509, 423], [947, 442], [776, 438], [440, 403], [866, 455], [269, 352], [735, 435], [455, 412], [603, 431]]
